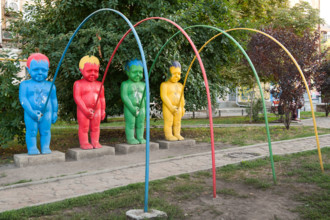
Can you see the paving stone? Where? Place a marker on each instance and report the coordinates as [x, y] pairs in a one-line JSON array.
[[323, 122], [164, 144], [137, 214], [23, 160], [80, 154], [132, 148]]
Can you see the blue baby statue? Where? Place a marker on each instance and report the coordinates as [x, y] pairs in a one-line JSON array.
[[33, 94]]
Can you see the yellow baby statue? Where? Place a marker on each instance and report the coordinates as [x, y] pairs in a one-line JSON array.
[[173, 107]]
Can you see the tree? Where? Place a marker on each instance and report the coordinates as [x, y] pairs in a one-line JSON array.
[[300, 17], [273, 63], [229, 69], [294, 28], [322, 84], [44, 27], [258, 11]]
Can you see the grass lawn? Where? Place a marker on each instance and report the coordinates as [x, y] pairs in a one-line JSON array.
[[115, 122], [65, 138], [244, 191], [251, 135], [305, 115]]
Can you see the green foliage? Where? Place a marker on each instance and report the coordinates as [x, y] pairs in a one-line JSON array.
[[48, 25], [258, 11], [11, 112], [256, 109], [239, 74], [241, 13], [44, 27], [300, 17]]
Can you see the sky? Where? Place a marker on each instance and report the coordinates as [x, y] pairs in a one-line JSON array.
[[325, 10]]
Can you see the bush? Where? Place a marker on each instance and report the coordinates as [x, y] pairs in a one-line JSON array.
[[256, 109], [11, 112]]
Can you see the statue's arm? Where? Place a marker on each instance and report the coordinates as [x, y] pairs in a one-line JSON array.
[[182, 103], [165, 99], [78, 100], [54, 104], [143, 101], [102, 100], [23, 93], [124, 97]]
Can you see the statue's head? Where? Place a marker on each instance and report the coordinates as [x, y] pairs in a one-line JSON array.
[[89, 67], [38, 66], [134, 70], [175, 70]]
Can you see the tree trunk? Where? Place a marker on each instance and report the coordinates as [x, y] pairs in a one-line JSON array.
[[287, 116], [251, 105]]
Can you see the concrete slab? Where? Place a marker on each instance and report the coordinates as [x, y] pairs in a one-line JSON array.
[[163, 144], [24, 160], [137, 214], [80, 154], [132, 148]]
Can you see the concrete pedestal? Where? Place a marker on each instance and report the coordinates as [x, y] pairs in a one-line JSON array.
[[137, 214], [163, 144], [80, 154], [23, 160], [132, 148]]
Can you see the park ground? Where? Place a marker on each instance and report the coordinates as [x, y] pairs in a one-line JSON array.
[[244, 191]]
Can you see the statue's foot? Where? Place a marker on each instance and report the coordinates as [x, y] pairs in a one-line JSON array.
[[97, 145], [87, 146], [33, 151], [142, 140], [171, 138], [45, 150], [180, 138], [132, 141]]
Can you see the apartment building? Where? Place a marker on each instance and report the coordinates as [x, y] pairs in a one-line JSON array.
[[5, 35]]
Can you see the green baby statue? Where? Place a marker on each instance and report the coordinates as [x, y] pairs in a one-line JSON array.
[[131, 92]]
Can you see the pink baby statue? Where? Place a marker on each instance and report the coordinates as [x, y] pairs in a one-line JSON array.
[[85, 93]]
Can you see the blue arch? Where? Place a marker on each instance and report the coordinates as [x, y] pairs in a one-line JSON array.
[[146, 81]]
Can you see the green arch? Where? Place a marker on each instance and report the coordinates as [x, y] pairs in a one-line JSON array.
[[254, 72]]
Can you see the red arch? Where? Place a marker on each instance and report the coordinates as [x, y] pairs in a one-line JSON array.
[[204, 76]]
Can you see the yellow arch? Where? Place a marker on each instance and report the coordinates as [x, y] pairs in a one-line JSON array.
[[9, 59], [294, 61]]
